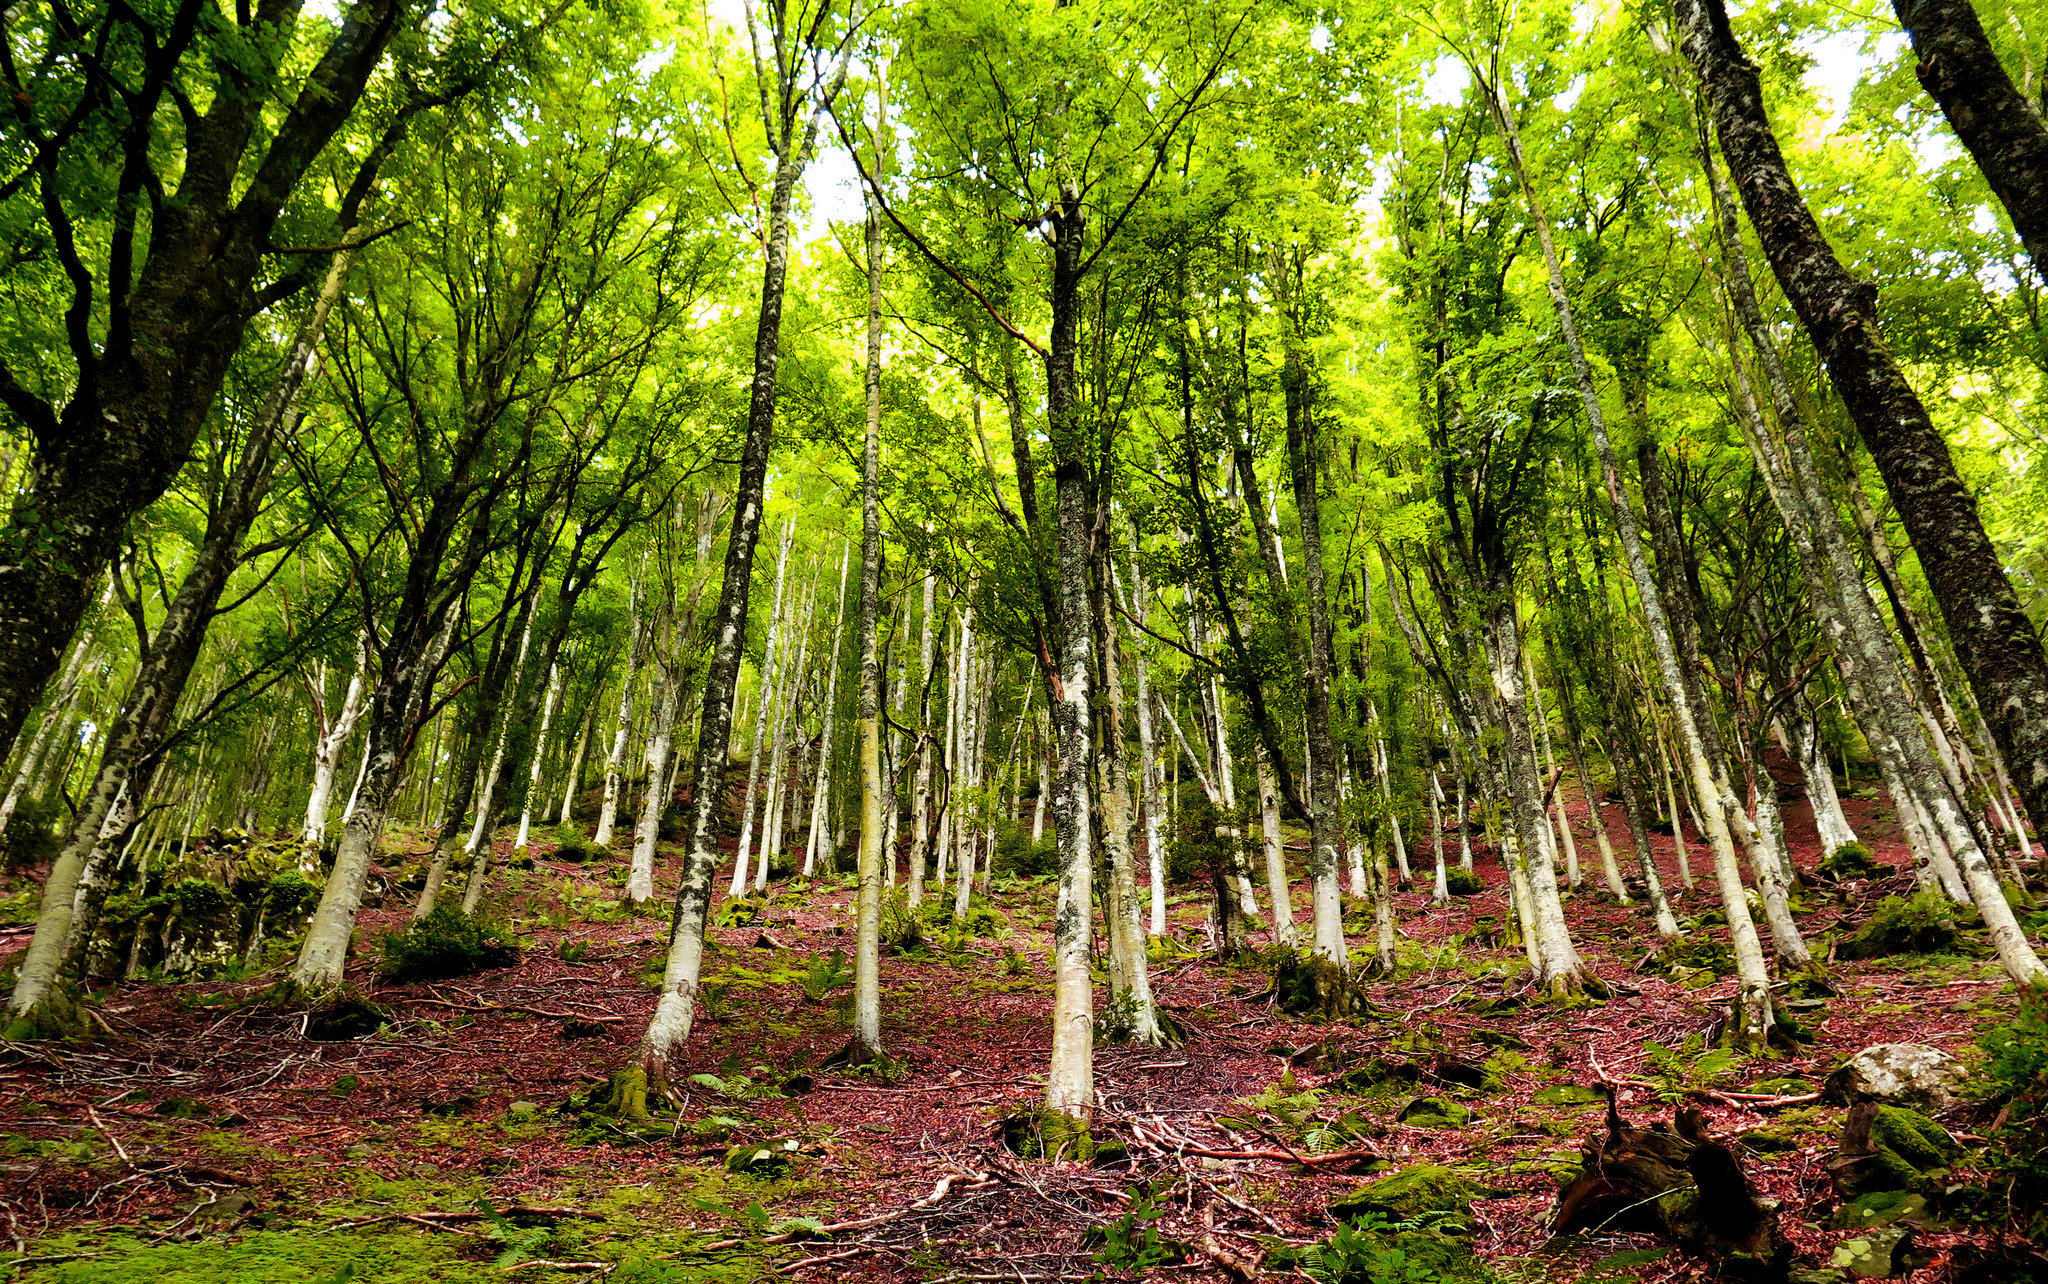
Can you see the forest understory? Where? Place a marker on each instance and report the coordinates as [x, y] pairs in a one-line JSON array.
[[205, 1135]]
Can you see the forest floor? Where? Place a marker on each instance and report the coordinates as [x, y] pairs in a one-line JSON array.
[[203, 1138]]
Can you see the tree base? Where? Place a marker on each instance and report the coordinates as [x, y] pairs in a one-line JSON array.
[[1316, 989], [57, 1019], [1040, 1132], [1120, 1023], [857, 1058]]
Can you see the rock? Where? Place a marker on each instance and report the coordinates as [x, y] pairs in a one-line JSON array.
[[1434, 1112], [1568, 1094], [1880, 1255], [343, 1021], [1879, 1209], [227, 1208], [1890, 1148], [1901, 1074], [1463, 1074], [1379, 1073]]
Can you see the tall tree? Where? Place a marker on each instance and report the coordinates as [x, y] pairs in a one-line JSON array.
[[1996, 644]]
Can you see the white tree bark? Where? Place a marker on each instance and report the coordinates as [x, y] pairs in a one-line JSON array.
[[818, 836], [539, 755]]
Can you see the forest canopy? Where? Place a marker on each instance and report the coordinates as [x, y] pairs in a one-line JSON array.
[[1328, 518]]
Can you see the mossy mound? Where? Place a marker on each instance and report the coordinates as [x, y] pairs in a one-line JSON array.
[[1568, 1094], [1850, 860], [1460, 881], [1435, 1112], [343, 1019], [1693, 952], [1417, 1193], [1924, 924]]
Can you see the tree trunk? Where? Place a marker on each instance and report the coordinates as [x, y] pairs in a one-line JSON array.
[[1994, 641], [128, 758], [1752, 1006], [1070, 1079], [772, 663], [327, 752], [2000, 126], [1324, 825], [540, 742], [670, 1025], [921, 779], [818, 836], [141, 398], [641, 630], [867, 919], [1277, 883], [1913, 775]]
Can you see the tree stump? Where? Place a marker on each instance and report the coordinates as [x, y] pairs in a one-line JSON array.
[[1679, 1184]]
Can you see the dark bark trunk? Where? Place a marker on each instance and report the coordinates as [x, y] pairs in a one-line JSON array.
[[676, 1008], [2003, 131], [142, 395], [1994, 641], [1325, 829]]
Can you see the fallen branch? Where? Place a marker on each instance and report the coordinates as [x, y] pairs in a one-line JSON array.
[[439, 1220], [982, 1181], [516, 1007]]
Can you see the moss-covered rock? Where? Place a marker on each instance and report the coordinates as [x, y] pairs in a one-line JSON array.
[[1881, 1208], [1568, 1094], [1435, 1112], [1891, 1148]]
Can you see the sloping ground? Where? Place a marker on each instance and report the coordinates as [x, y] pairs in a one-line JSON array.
[[208, 1139]]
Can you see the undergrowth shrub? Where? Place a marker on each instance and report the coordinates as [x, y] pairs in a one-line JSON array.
[[31, 837], [445, 943], [1017, 854], [1850, 860], [1419, 1250], [903, 928], [981, 918], [570, 844], [1196, 845]]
